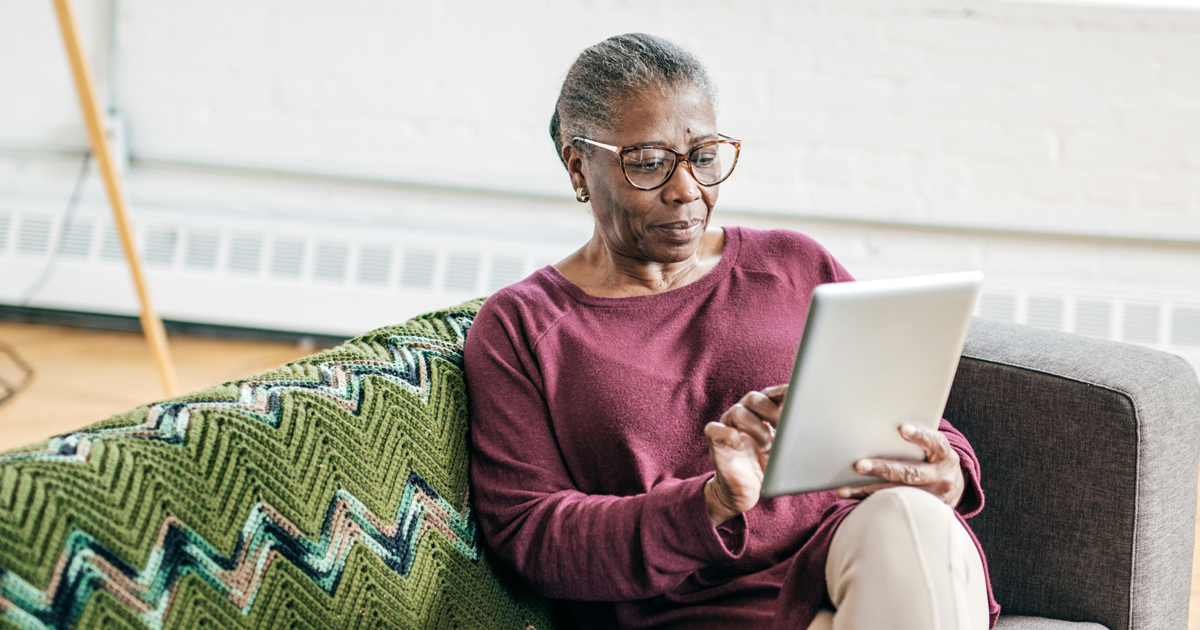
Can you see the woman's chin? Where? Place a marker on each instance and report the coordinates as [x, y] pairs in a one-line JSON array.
[[673, 251]]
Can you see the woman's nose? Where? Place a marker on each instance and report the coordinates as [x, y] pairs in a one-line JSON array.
[[682, 187]]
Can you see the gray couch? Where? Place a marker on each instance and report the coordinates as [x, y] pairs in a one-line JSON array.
[[1088, 448], [1089, 457]]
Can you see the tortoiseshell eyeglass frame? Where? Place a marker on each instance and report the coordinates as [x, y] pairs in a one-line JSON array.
[[679, 157]]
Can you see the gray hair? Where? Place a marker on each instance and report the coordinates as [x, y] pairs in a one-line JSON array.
[[619, 67]]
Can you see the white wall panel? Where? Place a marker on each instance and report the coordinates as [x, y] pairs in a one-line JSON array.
[[1054, 145]]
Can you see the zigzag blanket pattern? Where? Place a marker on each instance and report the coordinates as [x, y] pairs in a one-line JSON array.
[[328, 493]]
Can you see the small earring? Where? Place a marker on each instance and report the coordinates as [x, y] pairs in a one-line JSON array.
[[581, 194]]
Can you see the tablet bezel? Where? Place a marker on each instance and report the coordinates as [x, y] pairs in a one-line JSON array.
[[935, 311]]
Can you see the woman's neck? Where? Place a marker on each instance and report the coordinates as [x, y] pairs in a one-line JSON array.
[[603, 272]]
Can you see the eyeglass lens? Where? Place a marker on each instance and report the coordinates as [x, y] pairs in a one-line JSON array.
[[711, 163]]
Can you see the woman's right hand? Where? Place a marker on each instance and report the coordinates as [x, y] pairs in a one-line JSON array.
[[739, 446]]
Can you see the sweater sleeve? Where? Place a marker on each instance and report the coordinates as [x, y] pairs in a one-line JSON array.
[[563, 542], [972, 498]]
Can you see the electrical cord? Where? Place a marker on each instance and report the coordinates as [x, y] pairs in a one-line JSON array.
[[47, 271], [10, 389], [7, 389]]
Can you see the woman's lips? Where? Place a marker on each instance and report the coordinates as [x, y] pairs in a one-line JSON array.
[[680, 231]]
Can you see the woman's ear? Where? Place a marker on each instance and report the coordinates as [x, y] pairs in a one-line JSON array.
[[574, 163]]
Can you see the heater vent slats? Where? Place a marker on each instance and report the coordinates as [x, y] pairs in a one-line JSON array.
[[5, 222], [1045, 312], [1141, 323], [245, 254], [1000, 306], [200, 250], [368, 266], [462, 272], [75, 239], [287, 257], [330, 262], [110, 244], [33, 234], [505, 270], [418, 268], [160, 246], [1093, 318], [1185, 326], [374, 265], [1158, 324]]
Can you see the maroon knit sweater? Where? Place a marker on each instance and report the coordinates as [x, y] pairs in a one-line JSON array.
[[589, 456]]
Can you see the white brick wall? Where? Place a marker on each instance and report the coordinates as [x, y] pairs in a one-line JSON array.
[[1046, 142], [38, 105], [964, 113]]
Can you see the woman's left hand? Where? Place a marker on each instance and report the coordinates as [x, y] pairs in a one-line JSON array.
[[940, 474]]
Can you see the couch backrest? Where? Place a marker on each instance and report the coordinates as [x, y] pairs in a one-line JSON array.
[[331, 492], [335, 488]]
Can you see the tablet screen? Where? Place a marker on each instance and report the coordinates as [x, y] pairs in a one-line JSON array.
[[875, 355]]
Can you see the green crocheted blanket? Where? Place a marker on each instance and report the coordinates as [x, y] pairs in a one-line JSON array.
[[329, 493]]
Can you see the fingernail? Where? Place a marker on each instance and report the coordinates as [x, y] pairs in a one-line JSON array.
[[908, 430], [864, 466], [844, 493]]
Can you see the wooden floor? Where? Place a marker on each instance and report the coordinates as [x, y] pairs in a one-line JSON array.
[[86, 375], [82, 376]]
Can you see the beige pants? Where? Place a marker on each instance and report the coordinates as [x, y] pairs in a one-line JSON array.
[[902, 561]]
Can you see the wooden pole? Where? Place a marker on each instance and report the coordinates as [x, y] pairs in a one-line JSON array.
[[152, 325]]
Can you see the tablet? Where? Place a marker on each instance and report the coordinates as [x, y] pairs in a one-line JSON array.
[[875, 355]]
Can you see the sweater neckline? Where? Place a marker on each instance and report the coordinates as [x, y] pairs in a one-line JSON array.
[[733, 243]]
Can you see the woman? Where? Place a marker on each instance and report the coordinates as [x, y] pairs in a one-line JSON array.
[[623, 400]]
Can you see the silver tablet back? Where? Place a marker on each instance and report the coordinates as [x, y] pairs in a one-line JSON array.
[[875, 355]]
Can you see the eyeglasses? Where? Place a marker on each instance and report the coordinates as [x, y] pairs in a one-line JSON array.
[[649, 166]]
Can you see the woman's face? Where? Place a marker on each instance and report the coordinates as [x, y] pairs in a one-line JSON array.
[[666, 224]]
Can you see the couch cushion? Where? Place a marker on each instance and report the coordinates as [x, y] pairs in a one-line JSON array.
[[1015, 622], [331, 492]]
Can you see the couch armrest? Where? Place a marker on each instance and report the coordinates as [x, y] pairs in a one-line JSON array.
[[1088, 451]]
